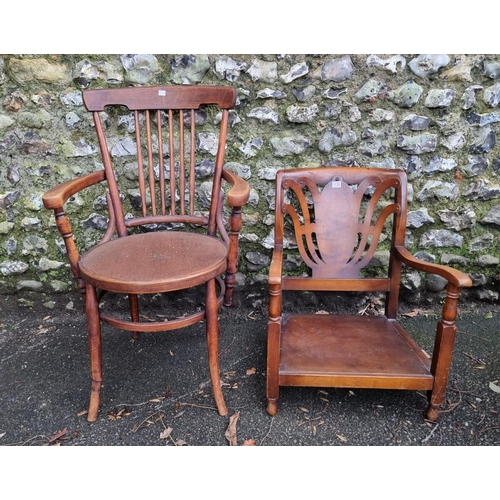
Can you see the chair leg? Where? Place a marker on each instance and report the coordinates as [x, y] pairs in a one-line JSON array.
[[443, 349], [134, 312], [212, 324], [273, 349], [95, 349]]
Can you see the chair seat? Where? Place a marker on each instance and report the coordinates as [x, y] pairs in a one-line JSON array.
[[350, 351], [154, 262]]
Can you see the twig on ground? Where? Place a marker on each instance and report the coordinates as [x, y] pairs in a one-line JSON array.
[[268, 432], [430, 435], [198, 406], [481, 362]]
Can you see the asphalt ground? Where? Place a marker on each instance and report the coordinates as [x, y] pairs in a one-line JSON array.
[[161, 381], [156, 390]]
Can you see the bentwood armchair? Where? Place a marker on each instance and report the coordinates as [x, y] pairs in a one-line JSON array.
[[177, 239]]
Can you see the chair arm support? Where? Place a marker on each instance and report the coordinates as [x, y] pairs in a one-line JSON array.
[[240, 191], [276, 267], [58, 195], [454, 276]]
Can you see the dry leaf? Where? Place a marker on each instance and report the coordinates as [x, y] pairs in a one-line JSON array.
[[2, 435], [58, 435], [321, 312], [303, 409], [247, 442], [81, 413], [342, 438], [494, 387], [230, 433], [166, 433], [251, 371], [180, 442], [412, 314]]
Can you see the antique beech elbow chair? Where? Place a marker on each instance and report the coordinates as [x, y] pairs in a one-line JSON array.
[[338, 215], [158, 141]]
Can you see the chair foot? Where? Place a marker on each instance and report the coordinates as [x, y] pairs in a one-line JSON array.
[[221, 408], [272, 407], [95, 396], [433, 412]]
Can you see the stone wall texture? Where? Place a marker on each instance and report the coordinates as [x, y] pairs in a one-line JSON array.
[[436, 116]]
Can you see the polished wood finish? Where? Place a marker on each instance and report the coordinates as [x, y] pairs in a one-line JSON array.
[[172, 241], [339, 215]]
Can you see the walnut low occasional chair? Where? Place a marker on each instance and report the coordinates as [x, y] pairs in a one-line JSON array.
[[172, 236], [338, 216]]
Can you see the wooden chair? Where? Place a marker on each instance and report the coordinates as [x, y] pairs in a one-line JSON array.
[[337, 215], [158, 125]]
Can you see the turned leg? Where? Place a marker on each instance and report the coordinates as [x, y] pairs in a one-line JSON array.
[[134, 312], [95, 349], [443, 350], [273, 350], [212, 324]]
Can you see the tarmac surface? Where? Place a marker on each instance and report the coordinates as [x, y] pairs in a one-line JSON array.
[[156, 390]]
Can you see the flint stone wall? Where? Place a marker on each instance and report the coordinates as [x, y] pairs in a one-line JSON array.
[[436, 116]]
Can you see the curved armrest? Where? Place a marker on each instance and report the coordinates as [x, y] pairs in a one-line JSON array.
[[454, 276], [58, 195], [276, 267], [240, 191]]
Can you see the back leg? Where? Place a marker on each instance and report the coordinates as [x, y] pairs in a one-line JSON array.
[[95, 349]]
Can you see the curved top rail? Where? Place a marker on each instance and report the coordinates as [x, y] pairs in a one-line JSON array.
[[161, 97]]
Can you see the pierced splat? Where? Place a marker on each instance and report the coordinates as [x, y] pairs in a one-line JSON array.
[[335, 239]]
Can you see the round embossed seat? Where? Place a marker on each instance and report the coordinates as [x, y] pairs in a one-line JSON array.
[[154, 262]]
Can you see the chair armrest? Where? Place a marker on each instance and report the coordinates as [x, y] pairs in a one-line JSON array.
[[240, 191], [454, 276], [276, 267], [58, 195]]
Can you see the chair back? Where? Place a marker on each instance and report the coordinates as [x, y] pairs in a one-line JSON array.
[[161, 172], [338, 217]]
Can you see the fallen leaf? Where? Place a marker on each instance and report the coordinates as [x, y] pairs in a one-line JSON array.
[[58, 435], [180, 442], [166, 433], [2, 435], [251, 371], [494, 387], [412, 314], [81, 413], [230, 433], [488, 315], [321, 312], [342, 438], [171, 353], [178, 414], [247, 442], [155, 400], [303, 409]]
